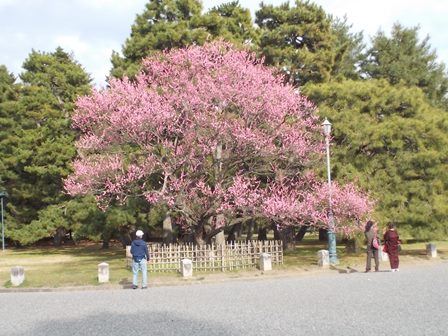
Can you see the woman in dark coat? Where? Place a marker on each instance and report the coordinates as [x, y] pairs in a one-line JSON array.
[[370, 233], [392, 242]]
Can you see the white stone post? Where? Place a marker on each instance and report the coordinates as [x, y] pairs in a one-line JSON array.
[[17, 275], [128, 256], [265, 262], [431, 250], [103, 272], [186, 268], [323, 258]]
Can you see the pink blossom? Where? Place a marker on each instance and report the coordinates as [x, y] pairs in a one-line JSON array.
[[157, 136]]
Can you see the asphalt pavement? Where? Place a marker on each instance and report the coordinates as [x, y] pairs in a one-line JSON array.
[[413, 301]]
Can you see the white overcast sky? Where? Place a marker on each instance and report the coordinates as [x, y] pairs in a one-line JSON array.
[[91, 29]]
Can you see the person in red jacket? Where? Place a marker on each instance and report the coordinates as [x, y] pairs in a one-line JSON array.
[[140, 257], [392, 242]]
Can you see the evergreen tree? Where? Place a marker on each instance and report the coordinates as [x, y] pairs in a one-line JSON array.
[[394, 143], [402, 57], [298, 40], [8, 106], [43, 147], [232, 23], [167, 24], [164, 24], [7, 81], [348, 48]]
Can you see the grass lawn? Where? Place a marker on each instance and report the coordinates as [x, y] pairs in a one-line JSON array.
[[64, 266], [50, 267]]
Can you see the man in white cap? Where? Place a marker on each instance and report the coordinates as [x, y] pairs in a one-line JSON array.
[[140, 257]]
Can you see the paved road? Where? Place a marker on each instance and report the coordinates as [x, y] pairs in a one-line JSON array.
[[413, 301]]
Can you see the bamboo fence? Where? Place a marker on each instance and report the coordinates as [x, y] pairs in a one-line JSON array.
[[210, 258]]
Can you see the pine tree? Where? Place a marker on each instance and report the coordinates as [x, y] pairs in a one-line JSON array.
[[232, 23], [298, 40], [391, 140], [403, 57], [167, 24], [349, 50], [8, 106], [43, 147]]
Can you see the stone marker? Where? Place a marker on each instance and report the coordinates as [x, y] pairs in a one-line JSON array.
[[186, 268], [431, 250], [17, 275], [103, 272], [323, 258], [128, 256], [265, 262]]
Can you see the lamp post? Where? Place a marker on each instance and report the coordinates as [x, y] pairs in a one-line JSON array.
[[3, 194], [326, 125]]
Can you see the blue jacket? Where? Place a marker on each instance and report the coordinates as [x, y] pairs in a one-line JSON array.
[[139, 250]]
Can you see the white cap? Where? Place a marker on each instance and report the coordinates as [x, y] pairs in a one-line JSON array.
[[139, 233]]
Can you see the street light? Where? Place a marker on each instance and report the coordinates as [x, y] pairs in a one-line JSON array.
[[326, 125], [3, 194]]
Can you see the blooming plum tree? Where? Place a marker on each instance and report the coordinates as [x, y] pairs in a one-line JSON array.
[[207, 131]]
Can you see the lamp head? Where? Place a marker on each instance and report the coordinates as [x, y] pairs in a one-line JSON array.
[[326, 126]]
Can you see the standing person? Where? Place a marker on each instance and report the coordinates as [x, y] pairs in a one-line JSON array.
[[140, 257], [392, 242], [371, 234]]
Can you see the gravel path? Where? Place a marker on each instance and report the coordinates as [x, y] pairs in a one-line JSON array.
[[413, 301]]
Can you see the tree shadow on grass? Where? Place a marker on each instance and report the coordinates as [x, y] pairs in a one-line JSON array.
[[91, 250]]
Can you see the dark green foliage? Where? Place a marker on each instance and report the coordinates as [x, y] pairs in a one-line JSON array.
[[299, 40], [391, 140], [349, 48], [402, 57], [8, 98], [7, 81], [164, 24], [231, 22], [39, 145], [167, 24]]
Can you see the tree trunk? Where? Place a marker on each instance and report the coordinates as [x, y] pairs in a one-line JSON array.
[[125, 239], [262, 233], [220, 238], [250, 229], [277, 235], [59, 236], [167, 235], [323, 235], [232, 234], [188, 238], [106, 240], [238, 230], [199, 239], [302, 231], [286, 235], [199, 234]]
